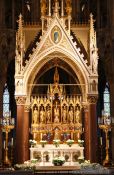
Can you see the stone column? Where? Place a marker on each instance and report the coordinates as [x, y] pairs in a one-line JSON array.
[[19, 128], [93, 128], [26, 133], [86, 132]]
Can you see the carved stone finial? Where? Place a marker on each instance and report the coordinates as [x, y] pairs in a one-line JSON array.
[[93, 47], [20, 46], [68, 7], [56, 8]]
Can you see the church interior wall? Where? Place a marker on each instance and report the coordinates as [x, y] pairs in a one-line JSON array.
[[102, 28]]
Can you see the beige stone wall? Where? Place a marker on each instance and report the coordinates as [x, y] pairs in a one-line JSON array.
[[30, 34], [82, 33]]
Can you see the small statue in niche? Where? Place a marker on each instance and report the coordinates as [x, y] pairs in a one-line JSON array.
[[35, 116], [77, 115], [42, 115], [71, 114], [64, 113], [48, 115], [56, 114]]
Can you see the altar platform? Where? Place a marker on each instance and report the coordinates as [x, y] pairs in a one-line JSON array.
[[46, 154], [58, 170]]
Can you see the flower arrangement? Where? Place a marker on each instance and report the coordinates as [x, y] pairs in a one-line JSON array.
[[43, 142], [32, 142], [32, 161], [58, 160], [56, 142], [81, 159], [81, 142], [24, 166], [70, 142]]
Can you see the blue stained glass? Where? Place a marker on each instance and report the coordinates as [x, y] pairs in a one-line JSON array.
[[106, 101], [5, 101]]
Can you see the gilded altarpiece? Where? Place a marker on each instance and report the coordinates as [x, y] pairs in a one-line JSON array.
[[56, 116]]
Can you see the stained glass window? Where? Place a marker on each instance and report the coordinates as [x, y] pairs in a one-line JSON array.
[[106, 100], [5, 101]]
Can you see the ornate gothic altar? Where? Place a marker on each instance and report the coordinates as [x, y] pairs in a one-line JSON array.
[[56, 116]]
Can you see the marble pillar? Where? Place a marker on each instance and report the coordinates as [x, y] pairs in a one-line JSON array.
[[26, 133], [86, 132], [19, 129], [93, 129]]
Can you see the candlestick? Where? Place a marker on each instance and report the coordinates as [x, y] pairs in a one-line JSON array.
[[4, 144], [12, 141], [101, 141], [106, 129], [6, 127]]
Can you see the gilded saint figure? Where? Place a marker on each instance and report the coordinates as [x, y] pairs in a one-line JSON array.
[[64, 114], [56, 114], [42, 115], [77, 115], [48, 115], [35, 116], [71, 115]]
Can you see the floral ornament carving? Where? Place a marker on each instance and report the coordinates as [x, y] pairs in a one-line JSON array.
[[20, 100]]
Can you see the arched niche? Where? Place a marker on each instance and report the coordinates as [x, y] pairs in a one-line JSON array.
[[65, 63]]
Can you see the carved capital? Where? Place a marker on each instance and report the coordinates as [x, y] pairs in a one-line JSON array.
[[85, 107], [92, 99], [27, 107], [20, 100]]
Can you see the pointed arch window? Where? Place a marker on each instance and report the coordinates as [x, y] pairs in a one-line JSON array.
[[6, 101], [106, 97]]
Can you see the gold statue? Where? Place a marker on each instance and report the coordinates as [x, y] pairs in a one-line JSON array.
[[35, 116], [56, 114], [48, 115], [71, 114], [42, 115], [77, 115], [64, 113]]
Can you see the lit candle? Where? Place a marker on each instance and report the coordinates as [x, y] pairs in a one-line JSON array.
[[41, 136], [101, 140], [4, 144], [9, 113], [108, 143], [78, 135], [1, 121], [12, 141], [13, 121]]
